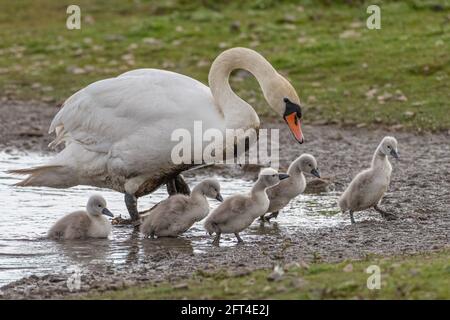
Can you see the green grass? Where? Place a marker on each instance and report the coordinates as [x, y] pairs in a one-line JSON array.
[[406, 277], [40, 58]]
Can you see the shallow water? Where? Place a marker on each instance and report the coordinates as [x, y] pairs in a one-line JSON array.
[[27, 214]]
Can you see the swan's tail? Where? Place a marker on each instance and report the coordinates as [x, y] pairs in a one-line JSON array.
[[50, 176]]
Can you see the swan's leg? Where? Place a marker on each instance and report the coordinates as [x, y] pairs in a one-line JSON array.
[[272, 215], [182, 186], [238, 237], [216, 239], [351, 217], [178, 185], [171, 187], [384, 214], [131, 203]]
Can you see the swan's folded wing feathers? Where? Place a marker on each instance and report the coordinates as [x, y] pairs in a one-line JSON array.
[[91, 116], [111, 110]]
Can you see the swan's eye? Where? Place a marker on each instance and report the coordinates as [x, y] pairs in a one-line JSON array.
[[388, 147], [99, 205], [273, 175]]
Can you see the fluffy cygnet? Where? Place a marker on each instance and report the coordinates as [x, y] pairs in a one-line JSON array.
[[368, 187], [281, 194], [179, 212], [239, 211], [91, 223]]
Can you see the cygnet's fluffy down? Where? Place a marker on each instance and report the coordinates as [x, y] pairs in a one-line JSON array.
[[369, 186], [91, 223], [178, 213], [281, 194], [238, 211]]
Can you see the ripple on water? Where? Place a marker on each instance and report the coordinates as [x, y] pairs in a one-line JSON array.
[[27, 213]]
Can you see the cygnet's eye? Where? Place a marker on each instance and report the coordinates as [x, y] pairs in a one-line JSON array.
[[388, 147], [99, 205], [273, 175], [310, 165]]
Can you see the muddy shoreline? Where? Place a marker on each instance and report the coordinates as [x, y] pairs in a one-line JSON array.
[[419, 195]]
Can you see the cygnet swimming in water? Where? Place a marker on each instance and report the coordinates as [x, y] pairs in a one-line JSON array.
[[369, 186], [91, 223], [239, 211]]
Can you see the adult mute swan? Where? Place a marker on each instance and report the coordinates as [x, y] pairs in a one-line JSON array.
[[117, 131]]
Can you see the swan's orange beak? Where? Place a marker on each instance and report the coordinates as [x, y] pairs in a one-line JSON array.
[[294, 124]]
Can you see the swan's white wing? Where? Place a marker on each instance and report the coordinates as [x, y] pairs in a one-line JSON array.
[[144, 100], [109, 110]]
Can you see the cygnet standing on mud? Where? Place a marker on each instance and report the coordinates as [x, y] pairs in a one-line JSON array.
[[239, 211], [369, 186], [91, 223], [281, 194], [176, 214]]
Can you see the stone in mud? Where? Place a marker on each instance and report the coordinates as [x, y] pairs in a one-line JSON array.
[[348, 268], [181, 285], [299, 283]]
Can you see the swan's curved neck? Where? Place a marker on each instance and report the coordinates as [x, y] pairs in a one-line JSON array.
[[237, 112], [379, 158], [294, 169], [197, 192], [197, 196], [258, 188]]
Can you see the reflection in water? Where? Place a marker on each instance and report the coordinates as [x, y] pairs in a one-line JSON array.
[[266, 229], [80, 251], [27, 214], [167, 245], [133, 247]]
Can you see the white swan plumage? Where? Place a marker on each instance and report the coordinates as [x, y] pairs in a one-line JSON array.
[[117, 131]]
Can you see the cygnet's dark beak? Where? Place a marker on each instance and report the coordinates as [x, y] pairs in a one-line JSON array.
[[394, 154], [106, 212], [219, 197], [282, 176], [315, 172]]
